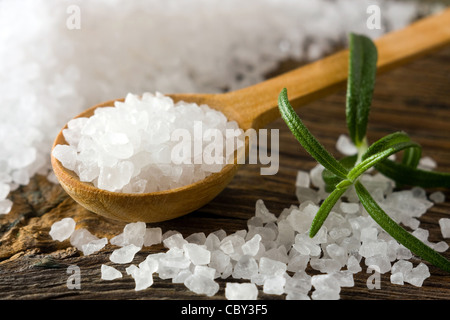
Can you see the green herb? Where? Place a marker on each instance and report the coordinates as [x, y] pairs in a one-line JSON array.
[[339, 175]]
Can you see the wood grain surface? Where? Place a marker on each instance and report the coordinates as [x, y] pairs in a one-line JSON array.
[[414, 98]]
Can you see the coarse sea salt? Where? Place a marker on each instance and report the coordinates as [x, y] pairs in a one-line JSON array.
[[148, 144], [275, 265]]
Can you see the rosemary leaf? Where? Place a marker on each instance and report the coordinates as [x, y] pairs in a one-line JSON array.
[[360, 85], [306, 139], [397, 232], [325, 209], [406, 175]]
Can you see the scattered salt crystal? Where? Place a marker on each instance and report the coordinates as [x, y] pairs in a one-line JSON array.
[[274, 285], [245, 268], [349, 208], [205, 271], [124, 254], [251, 247], [110, 273], [271, 267], [176, 240], [241, 291], [444, 224], [80, 237], [201, 285], [198, 254], [397, 278], [437, 197], [417, 275], [380, 263], [326, 287], [134, 233], [63, 229], [5, 206], [94, 246], [353, 265], [262, 212], [197, 238], [152, 236], [303, 179], [345, 146], [427, 163]]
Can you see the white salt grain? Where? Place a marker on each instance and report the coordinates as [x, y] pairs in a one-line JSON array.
[[437, 197], [109, 273], [152, 236], [124, 254], [63, 229], [241, 291], [198, 254], [274, 285], [345, 146], [444, 224], [94, 246]]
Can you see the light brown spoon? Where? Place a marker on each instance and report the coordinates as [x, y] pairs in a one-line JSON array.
[[252, 107]]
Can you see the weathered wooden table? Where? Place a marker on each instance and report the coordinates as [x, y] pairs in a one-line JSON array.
[[414, 98]]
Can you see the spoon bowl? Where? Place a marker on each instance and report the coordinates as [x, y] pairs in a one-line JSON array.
[[252, 107]]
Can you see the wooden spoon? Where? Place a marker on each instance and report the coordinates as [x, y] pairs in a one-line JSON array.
[[251, 107]]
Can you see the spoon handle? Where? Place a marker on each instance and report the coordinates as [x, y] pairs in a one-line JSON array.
[[257, 105]]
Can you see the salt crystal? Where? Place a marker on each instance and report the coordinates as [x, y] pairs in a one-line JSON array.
[[197, 238], [353, 265], [219, 261], [205, 271], [67, 155], [182, 275], [201, 285], [271, 267], [397, 278], [337, 253], [5, 206], [437, 197], [245, 268], [251, 247], [134, 233], [444, 224], [326, 287], [124, 254], [345, 146], [427, 163], [80, 237], [241, 291], [4, 190], [349, 208], [197, 254], [299, 283], [417, 275], [380, 263], [152, 236], [94, 246], [109, 273], [176, 240], [274, 285], [262, 212], [303, 179], [371, 249], [297, 263], [63, 229]]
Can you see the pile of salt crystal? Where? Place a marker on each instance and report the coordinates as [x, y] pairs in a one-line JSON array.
[[148, 144], [275, 252]]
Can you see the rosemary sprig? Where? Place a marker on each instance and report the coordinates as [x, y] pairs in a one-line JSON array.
[[341, 174]]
